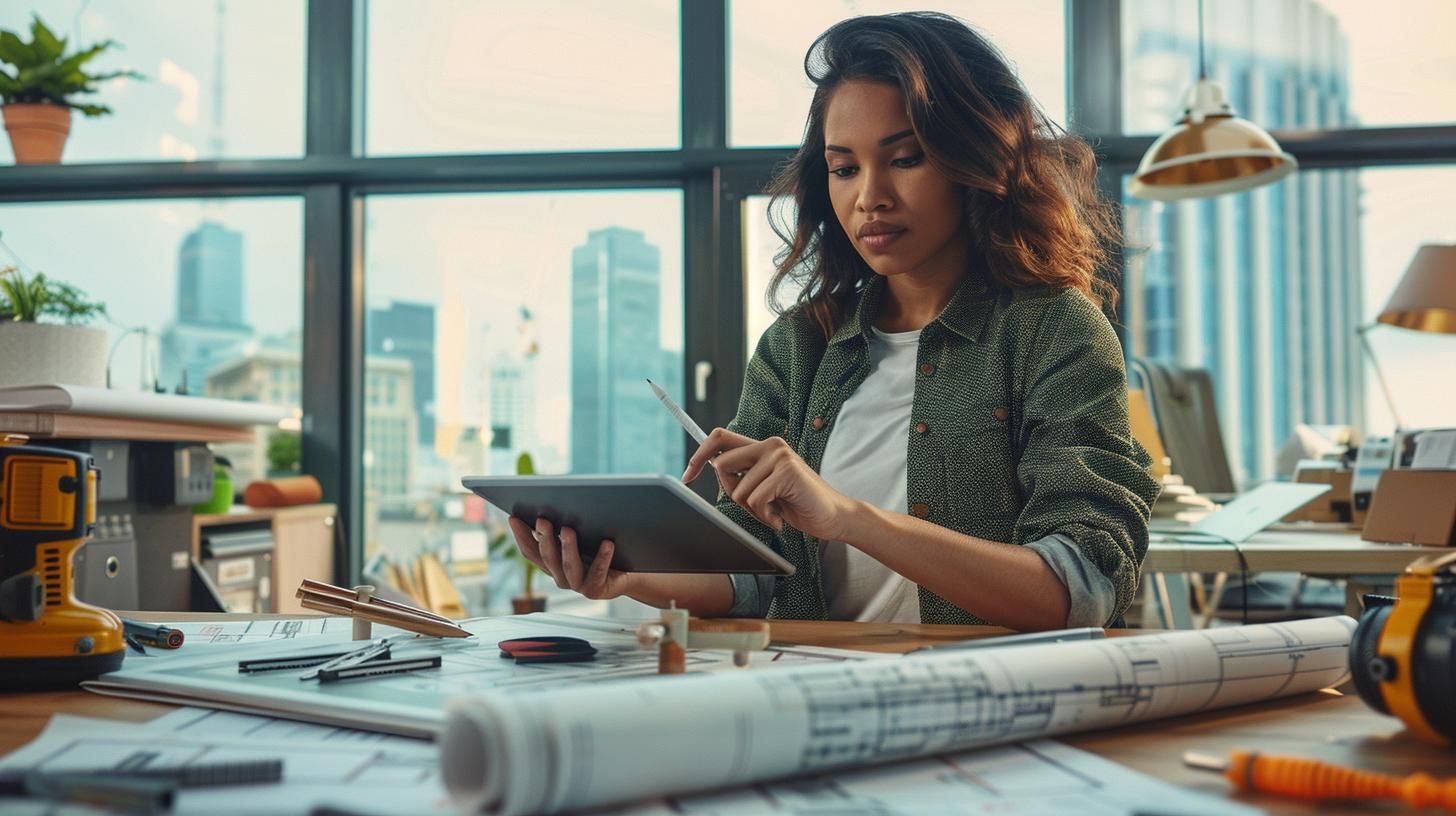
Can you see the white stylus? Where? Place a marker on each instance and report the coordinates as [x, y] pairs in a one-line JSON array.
[[677, 413]]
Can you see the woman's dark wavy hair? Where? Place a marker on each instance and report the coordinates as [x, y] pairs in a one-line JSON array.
[[1032, 208]]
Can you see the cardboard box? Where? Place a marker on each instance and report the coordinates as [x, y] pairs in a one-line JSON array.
[[1414, 507], [1331, 506]]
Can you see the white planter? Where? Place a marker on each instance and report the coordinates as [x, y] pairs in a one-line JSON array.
[[49, 353]]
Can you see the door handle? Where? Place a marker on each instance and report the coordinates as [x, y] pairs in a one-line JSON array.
[[701, 372]]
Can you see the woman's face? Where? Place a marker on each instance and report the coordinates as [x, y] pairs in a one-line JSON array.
[[901, 213]]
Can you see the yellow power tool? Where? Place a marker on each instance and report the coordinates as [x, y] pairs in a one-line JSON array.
[[48, 639]]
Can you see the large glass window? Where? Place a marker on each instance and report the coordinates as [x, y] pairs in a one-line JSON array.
[[206, 294], [224, 79], [450, 76], [761, 245], [1266, 288], [501, 324], [769, 94], [1293, 64]]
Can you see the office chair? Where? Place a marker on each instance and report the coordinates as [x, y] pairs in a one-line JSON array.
[[1185, 410]]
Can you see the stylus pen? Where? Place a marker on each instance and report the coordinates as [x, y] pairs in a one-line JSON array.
[[682, 418]]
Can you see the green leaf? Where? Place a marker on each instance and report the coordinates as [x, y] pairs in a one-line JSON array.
[[13, 51], [90, 110], [46, 46], [525, 466]]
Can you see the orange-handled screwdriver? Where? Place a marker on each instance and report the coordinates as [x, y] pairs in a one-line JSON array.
[[1311, 779]]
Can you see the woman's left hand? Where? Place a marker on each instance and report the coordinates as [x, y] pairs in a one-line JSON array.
[[772, 482]]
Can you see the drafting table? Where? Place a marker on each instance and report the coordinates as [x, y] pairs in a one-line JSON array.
[[1328, 726]]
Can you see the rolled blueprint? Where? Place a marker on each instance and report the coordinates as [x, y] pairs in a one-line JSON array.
[[558, 749]]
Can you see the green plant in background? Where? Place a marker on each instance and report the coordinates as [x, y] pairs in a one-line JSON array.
[[27, 300], [40, 71], [285, 451], [503, 546]]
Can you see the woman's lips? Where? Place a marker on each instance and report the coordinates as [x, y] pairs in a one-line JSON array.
[[880, 242]]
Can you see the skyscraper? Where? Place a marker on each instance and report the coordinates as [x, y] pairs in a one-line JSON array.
[[408, 330], [617, 426], [1262, 288], [209, 321]]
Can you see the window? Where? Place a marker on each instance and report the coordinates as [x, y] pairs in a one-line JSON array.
[[209, 292], [760, 246], [1266, 289], [516, 323], [468, 77], [223, 79], [769, 94], [1293, 64]]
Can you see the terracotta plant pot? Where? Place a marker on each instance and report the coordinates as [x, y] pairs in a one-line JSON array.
[[37, 131], [523, 604]]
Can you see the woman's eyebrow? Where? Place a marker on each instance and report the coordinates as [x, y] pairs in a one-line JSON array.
[[888, 140]]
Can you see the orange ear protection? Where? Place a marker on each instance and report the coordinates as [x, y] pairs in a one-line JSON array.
[[1403, 655]]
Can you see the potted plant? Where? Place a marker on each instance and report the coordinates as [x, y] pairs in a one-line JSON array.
[[37, 82], [37, 352], [505, 548]]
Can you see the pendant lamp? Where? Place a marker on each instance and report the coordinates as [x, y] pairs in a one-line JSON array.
[[1210, 151]]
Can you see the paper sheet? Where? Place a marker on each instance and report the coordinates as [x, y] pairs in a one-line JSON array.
[[400, 776], [568, 748], [1037, 777], [413, 704]]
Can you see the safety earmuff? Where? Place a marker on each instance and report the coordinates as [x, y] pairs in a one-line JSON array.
[[1403, 654]]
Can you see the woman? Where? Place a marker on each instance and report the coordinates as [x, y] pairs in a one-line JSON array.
[[937, 431]]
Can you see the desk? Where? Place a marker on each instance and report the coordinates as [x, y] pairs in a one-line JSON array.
[[1327, 725], [1323, 550]]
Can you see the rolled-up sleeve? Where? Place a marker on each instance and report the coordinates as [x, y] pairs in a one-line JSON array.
[[1084, 479], [762, 412]]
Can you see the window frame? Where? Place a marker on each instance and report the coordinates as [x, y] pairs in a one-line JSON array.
[[333, 178]]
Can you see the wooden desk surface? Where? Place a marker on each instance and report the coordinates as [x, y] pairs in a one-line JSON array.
[[1328, 725]]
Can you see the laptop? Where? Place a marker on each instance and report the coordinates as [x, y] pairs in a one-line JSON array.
[[1251, 512]]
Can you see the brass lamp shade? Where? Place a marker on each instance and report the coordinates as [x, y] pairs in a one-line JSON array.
[[1209, 152], [1425, 298]]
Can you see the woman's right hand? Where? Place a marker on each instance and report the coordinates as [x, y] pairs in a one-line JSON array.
[[556, 553]]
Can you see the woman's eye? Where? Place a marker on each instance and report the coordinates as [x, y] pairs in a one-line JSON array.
[[843, 172], [909, 161]]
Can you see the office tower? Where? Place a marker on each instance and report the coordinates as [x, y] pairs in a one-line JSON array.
[[512, 418], [269, 371], [209, 322], [616, 346], [1262, 288], [407, 330]]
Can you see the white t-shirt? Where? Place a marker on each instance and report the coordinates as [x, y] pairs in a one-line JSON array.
[[865, 459]]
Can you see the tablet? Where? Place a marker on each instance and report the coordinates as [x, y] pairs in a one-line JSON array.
[[658, 523]]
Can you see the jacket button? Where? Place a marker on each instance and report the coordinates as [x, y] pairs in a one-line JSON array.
[[1000, 414], [927, 369], [921, 427], [920, 510], [818, 423]]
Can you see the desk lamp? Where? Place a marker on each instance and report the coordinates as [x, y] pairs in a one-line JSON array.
[[1424, 300]]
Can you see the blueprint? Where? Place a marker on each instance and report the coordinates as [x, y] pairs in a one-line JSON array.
[[339, 770], [389, 776], [561, 749], [413, 704]]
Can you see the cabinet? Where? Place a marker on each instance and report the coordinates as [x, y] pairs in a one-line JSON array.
[[231, 546]]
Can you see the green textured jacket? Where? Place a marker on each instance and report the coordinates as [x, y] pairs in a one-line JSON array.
[[1019, 430]]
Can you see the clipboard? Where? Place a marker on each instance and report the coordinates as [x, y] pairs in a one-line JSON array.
[[656, 521]]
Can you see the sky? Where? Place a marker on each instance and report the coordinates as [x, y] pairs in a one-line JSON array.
[[455, 76]]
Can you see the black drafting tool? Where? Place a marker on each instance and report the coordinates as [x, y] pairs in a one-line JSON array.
[[200, 775], [548, 649], [152, 634], [371, 660]]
